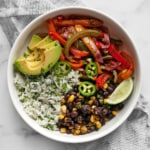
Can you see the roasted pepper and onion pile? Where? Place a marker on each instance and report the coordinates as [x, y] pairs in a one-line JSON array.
[[88, 48]]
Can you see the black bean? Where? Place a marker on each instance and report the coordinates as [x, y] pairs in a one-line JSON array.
[[77, 126], [87, 118], [98, 111], [78, 100], [104, 112], [75, 88], [112, 85], [117, 107], [68, 131], [67, 96], [68, 113], [59, 123], [95, 102], [73, 93], [68, 119], [106, 93], [69, 106], [86, 109], [110, 89], [120, 106], [91, 128], [74, 114], [77, 105], [102, 121], [66, 124], [110, 115], [79, 119], [72, 123], [100, 92]]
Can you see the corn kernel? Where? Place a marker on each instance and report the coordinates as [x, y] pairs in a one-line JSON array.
[[105, 100], [71, 99], [74, 109], [93, 106], [62, 101], [63, 130], [105, 86], [76, 132], [98, 124], [92, 118], [70, 127], [114, 112], [63, 109], [80, 96], [83, 129], [90, 102], [93, 98], [61, 116], [96, 118], [106, 119], [77, 126]]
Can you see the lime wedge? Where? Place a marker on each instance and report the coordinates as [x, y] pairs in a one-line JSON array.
[[121, 93]]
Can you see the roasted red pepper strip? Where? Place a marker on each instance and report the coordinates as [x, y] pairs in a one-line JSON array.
[[101, 80], [51, 26], [62, 57], [106, 41], [56, 36], [126, 73], [116, 55], [112, 65], [76, 65], [74, 51], [79, 53]]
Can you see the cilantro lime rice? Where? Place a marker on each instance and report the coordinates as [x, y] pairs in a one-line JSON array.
[[41, 95]]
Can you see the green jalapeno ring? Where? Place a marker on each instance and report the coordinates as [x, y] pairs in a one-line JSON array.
[[84, 33], [62, 68], [87, 88], [91, 70]]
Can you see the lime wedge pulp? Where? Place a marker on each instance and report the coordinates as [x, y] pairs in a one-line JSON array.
[[122, 92]]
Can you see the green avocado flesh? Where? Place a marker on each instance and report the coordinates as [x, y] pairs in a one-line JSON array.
[[39, 57]]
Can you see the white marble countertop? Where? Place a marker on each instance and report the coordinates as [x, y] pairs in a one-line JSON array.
[[14, 132]]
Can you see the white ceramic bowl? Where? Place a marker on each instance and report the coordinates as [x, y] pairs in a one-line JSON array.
[[116, 30]]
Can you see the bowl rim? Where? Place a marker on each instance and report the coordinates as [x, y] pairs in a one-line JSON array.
[[58, 138]]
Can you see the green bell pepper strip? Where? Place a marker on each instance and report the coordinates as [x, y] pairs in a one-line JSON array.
[[78, 35], [62, 68], [87, 88], [91, 70]]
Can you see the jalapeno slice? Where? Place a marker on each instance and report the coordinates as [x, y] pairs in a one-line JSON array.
[[87, 88], [62, 68], [91, 70]]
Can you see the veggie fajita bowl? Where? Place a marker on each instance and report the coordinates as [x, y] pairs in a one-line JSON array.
[[74, 74]]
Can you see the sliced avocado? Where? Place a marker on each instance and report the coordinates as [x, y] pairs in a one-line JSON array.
[[44, 41], [45, 60], [36, 43], [51, 44], [34, 40]]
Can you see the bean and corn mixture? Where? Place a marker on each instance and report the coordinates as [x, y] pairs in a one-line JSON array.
[[101, 65], [82, 115]]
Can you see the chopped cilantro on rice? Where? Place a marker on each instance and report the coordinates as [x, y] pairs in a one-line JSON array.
[[41, 95]]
